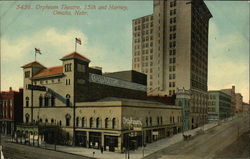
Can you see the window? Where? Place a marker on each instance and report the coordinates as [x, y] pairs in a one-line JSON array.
[[67, 119], [27, 74], [27, 116], [97, 122], [67, 67], [67, 100], [40, 101], [83, 122], [60, 123], [27, 101], [146, 121], [52, 121], [106, 123], [113, 123], [77, 122], [67, 81], [91, 122], [158, 121], [46, 101], [53, 100], [150, 121]]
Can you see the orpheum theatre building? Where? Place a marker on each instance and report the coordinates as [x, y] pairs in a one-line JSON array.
[[92, 109]]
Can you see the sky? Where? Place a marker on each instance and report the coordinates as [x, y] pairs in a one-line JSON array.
[[107, 38]]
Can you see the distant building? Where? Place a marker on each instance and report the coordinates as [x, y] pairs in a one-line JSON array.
[[246, 107], [171, 47], [92, 109], [219, 105], [11, 110], [238, 103], [232, 94]]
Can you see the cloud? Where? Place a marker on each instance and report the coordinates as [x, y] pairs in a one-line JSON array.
[[54, 45], [228, 61]]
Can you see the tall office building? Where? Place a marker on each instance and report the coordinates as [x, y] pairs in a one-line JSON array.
[[176, 52]]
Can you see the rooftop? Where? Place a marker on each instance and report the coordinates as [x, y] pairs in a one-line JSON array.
[[75, 55], [32, 64], [51, 71]]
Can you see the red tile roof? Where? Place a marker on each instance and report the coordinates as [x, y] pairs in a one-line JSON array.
[[75, 55], [52, 71], [33, 63]]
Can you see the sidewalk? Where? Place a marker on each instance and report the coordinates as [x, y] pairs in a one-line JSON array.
[[137, 154]]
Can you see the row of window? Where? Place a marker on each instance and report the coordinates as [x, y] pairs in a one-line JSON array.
[[143, 19], [147, 25], [171, 92], [171, 76], [47, 101], [145, 39], [171, 68], [172, 60], [171, 84], [146, 32]]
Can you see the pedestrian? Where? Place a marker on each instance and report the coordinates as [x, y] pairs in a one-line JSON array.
[[101, 149]]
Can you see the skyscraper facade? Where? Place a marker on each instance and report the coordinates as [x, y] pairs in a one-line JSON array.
[[179, 56]]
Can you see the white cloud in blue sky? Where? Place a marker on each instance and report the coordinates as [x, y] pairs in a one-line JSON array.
[[107, 39]]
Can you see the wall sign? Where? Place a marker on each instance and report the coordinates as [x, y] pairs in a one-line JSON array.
[[116, 82]]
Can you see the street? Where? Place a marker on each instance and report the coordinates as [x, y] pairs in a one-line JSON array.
[[17, 151], [218, 142], [208, 145]]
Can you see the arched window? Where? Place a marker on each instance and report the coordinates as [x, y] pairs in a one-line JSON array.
[[67, 119], [46, 101], [150, 121], [52, 100], [83, 122], [161, 120], [27, 101], [91, 122], [106, 123], [77, 121], [170, 119], [67, 100], [46, 120], [60, 123], [146, 121], [97, 122], [113, 123], [52, 121], [41, 120], [158, 120], [27, 116], [40, 101], [173, 119]]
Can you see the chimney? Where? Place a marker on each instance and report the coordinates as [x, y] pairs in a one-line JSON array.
[[233, 88]]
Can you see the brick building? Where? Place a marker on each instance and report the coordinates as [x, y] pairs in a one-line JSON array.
[[11, 110]]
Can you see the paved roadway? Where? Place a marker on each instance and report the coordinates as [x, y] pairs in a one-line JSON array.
[[17, 151], [207, 145]]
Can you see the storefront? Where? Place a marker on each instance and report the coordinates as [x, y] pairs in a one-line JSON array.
[[110, 143], [81, 138], [95, 140]]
